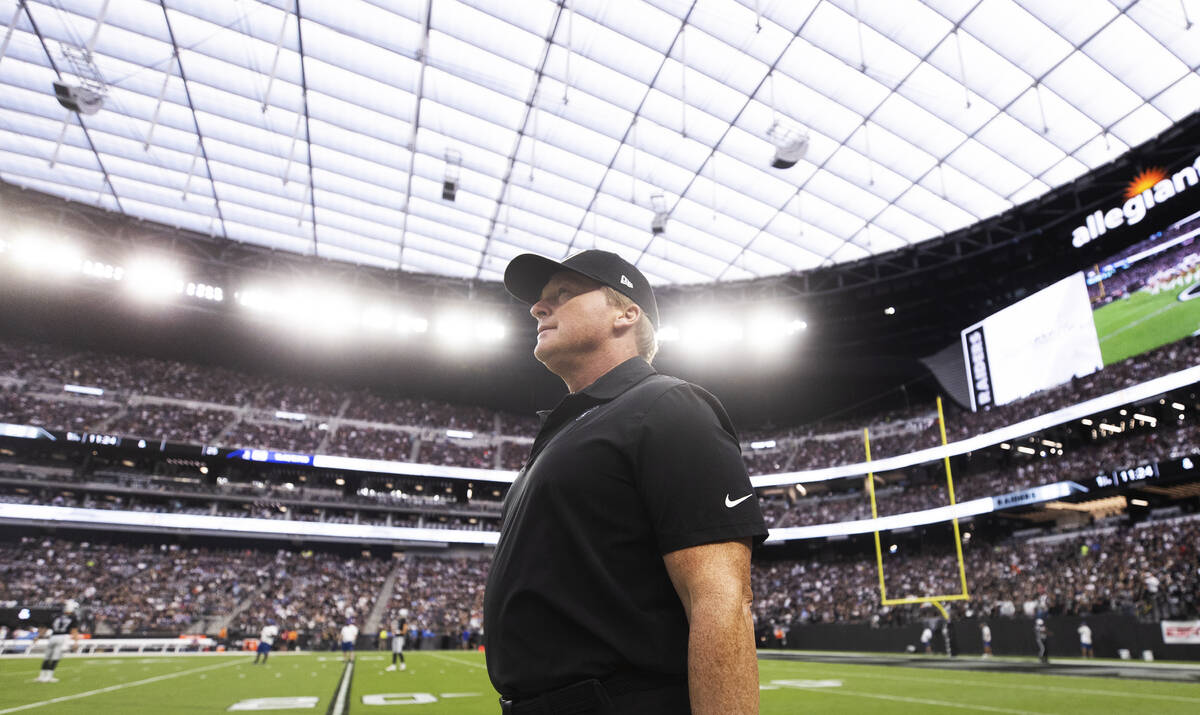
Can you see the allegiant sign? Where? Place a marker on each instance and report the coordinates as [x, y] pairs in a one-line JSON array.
[[1151, 188]]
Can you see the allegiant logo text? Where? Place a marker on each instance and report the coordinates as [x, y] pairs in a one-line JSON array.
[[1136, 206]]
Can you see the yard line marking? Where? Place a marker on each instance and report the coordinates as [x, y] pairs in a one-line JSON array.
[[120, 686], [1139, 321], [926, 701], [1039, 688], [455, 660], [339, 701]]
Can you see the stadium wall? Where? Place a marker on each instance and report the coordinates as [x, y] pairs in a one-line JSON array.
[[1010, 636]]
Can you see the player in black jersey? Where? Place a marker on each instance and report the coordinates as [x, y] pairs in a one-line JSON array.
[[399, 628], [64, 628]]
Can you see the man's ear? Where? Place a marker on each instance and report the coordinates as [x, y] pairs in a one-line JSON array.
[[629, 317]]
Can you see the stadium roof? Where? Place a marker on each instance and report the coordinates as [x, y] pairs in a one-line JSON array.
[[331, 127]]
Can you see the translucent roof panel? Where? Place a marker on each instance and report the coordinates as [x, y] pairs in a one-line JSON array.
[[448, 136]]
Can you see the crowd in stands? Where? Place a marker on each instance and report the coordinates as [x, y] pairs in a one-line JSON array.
[[449, 451], [398, 420], [128, 589], [75, 414], [157, 422], [313, 592], [442, 595], [1022, 472], [370, 443], [1150, 571]]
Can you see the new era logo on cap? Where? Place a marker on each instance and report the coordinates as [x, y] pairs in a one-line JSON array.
[[528, 273]]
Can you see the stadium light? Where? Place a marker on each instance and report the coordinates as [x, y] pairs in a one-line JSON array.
[[453, 330], [459, 434], [153, 280], [1138, 502], [765, 444], [489, 331], [377, 319], [46, 257], [413, 325]]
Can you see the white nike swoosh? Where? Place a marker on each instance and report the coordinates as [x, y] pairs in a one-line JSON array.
[[735, 502]]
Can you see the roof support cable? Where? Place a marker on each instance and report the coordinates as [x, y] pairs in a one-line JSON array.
[[683, 79], [1037, 90], [162, 93], [862, 55], [625, 137], [771, 97], [311, 198], [712, 176], [757, 17], [291, 155], [533, 116], [633, 172], [962, 67], [303, 208], [58, 73], [866, 127], [12, 25], [567, 67], [275, 62], [423, 58], [192, 169], [91, 43], [199, 151], [61, 136], [527, 123], [1186, 18]]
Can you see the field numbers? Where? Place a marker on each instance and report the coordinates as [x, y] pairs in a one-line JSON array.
[[399, 699], [288, 703]]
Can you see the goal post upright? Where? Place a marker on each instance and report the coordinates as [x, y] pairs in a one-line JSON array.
[[874, 514], [964, 595], [962, 568]]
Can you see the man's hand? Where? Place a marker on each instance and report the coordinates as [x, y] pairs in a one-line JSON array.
[[713, 582]]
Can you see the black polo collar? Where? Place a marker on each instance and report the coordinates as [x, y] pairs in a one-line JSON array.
[[607, 387]]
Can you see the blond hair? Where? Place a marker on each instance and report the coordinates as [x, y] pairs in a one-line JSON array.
[[643, 330]]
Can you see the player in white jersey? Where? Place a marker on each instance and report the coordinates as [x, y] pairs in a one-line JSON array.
[[64, 628], [399, 628], [1085, 640], [266, 639], [349, 636], [986, 632]]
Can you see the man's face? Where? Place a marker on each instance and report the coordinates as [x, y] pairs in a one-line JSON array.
[[574, 318]]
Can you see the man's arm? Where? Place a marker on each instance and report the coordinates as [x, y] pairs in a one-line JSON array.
[[713, 582]]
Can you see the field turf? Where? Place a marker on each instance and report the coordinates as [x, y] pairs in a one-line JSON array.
[[456, 682], [1133, 325]]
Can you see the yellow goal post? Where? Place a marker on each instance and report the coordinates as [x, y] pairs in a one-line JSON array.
[[962, 569]]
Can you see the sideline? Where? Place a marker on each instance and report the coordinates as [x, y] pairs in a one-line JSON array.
[[120, 686]]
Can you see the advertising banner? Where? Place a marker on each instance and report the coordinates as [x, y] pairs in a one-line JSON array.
[[1181, 632]]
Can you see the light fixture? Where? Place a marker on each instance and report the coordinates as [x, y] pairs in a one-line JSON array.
[[791, 144], [658, 224], [453, 169]]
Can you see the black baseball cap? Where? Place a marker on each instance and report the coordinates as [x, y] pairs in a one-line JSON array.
[[528, 273]]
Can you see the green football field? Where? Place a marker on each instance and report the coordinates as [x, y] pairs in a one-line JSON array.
[[456, 682], [1143, 322]]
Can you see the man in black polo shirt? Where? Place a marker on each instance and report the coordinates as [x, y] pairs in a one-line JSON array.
[[621, 580]]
